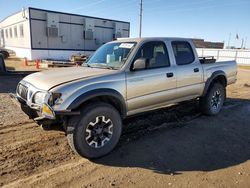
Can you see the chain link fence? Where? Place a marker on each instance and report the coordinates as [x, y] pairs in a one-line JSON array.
[[242, 57]]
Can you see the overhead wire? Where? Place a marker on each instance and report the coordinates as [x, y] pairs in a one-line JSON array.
[[194, 8]]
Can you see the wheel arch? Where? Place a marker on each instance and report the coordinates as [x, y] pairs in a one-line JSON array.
[[217, 76], [109, 96]]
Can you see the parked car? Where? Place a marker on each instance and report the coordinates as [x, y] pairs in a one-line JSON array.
[[5, 53], [121, 79], [2, 65]]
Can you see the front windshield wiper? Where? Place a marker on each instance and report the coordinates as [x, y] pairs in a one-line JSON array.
[[86, 65], [101, 65]]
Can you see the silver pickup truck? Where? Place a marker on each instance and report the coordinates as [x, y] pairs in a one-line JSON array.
[[121, 79]]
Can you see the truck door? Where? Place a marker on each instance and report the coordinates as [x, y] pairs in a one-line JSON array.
[[189, 70], [156, 84]]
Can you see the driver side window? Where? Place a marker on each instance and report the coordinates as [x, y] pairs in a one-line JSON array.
[[155, 53]]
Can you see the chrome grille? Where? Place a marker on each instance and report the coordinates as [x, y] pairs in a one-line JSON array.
[[22, 91]]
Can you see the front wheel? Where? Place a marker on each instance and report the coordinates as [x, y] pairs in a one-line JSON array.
[[97, 132], [212, 103]]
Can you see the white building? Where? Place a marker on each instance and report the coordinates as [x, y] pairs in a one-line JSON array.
[[44, 34]]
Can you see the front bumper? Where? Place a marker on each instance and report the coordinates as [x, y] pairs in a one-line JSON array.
[[35, 111], [32, 113]]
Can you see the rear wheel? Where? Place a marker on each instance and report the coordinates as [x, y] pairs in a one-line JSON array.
[[212, 103], [97, 132]]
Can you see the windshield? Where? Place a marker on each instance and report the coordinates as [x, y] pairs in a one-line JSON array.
[[111, 55]]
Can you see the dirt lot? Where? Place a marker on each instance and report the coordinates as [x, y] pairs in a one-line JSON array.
[[17, 64], [176, 147]]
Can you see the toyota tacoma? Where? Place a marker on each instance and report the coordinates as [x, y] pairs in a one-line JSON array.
[[123, 78]]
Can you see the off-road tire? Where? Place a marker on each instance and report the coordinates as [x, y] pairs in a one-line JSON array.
[[77, 130], [208, 103]]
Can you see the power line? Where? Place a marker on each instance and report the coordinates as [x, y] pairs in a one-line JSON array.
[[196, 8], [182, 4], [115, 7], [87, 5], [185, 5]]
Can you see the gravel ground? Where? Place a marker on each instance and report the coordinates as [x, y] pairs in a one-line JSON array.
[[10, 115], [17, 64], [174, 147]]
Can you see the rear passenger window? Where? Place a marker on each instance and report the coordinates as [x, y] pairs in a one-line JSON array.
[[183, 52], [155, 53]]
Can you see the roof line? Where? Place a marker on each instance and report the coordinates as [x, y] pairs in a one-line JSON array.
[[71, 14], [10, 16]]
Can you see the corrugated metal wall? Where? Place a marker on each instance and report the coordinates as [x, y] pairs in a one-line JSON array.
[[72, 36], [71, 31]]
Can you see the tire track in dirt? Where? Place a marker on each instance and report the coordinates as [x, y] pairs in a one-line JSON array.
[[27, 149], [76, 173], [27, 155], [16, 125], [49, 174], [34, 151]]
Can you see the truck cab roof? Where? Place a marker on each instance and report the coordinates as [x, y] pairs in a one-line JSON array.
[[145, 39]]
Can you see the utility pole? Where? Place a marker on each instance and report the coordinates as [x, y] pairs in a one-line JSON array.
[[140, 19], [229, 39], [242, 43], [245, 45]]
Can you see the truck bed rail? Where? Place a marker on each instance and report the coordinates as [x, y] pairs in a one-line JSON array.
[[207, 59]]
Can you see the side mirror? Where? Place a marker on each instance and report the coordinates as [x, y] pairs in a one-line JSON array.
[[139, 64]]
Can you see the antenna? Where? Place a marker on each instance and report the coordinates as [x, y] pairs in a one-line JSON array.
[[140, 19]]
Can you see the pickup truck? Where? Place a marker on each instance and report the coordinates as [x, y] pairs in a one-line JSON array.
[[123, 78]]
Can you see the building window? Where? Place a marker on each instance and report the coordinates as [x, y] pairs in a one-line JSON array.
[[6, 33], [21, 30], [10, 30], [15, 32]]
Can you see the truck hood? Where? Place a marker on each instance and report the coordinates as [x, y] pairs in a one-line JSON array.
[[46, 80]]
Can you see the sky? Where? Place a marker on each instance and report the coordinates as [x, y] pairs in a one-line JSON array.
[[212, 20]]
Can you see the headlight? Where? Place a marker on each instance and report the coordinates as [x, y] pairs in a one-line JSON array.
[[39, 97], [54, 98]]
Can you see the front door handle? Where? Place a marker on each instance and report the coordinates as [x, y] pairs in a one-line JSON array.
[[170, 74], [196, 70]]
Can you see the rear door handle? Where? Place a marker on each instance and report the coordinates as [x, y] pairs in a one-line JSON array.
[[170, 74], [196, 70]]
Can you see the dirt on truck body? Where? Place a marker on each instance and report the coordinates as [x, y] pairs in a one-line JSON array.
[[174, 147]]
